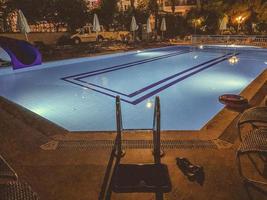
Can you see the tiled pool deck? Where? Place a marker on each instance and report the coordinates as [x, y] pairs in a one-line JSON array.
[[32, 147]]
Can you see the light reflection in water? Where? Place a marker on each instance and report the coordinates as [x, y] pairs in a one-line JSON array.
[[149, 104], [220, 82]]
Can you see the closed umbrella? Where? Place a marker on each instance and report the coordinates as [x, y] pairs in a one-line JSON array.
[[163, 27], [224, 22], [96, 25], [134, 26], [148, 27], [22, 24]]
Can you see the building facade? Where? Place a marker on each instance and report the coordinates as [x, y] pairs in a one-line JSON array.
[[91, 4], [181, 6]]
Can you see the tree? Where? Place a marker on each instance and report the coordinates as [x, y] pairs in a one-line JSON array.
[[153, 8], [5, 10], [73, 13], [173, 4], [132, 5], [176, 25], [252, 12], [142, 5], [70, 12], [108, 8]]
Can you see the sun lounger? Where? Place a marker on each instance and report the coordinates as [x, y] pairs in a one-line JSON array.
[[7, 174], [257, 117], [254, 143]]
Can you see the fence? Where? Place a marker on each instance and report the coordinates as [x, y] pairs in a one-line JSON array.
[[46, 38], [254, 40]]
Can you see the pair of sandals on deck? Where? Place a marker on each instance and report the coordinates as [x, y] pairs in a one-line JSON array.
[[193, 172]]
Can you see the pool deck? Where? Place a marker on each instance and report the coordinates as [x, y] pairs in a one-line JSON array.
[[61, 165]]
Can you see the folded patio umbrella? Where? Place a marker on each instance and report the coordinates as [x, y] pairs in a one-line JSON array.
[[134, 27], [163, 27], [96, 24], [224, 22], [148, 26], [22, 24]]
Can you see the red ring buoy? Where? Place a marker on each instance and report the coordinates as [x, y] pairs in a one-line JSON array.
[[233, 101]]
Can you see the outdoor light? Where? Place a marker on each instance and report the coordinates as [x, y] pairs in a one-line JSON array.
[[240, 20], [138, 51], [233, 60], [201, 47]]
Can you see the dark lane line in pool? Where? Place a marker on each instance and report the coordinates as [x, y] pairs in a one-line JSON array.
[[137, 101], [156, 83], [110, 95], [178, 80], [124, 64], [175, 75], [129, 65]]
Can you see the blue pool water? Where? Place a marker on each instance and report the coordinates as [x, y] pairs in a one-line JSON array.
[[79, 94]]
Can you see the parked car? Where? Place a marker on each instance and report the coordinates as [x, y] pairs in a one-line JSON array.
[[87, 34]]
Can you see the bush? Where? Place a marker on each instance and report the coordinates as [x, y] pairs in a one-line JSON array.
[[176, 26], [64, 40]]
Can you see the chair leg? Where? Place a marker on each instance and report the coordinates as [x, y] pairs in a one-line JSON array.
[[239, 131], [241, 172]]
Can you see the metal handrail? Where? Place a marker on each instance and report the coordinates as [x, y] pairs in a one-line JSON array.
[[118, 140], [156, 131], [116, 154]]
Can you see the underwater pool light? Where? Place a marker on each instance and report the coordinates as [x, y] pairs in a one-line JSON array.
[[201, 47], [233, 60], [149, 104]]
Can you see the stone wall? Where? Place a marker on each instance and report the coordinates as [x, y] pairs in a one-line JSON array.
[[46, 38]]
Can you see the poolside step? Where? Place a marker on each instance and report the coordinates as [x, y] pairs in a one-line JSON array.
[[17, 191], [7, 174]]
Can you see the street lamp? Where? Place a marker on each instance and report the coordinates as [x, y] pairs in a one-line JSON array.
[[239, 20], [196, 22]]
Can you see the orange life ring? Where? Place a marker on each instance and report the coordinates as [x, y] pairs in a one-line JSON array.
[[233, 101]]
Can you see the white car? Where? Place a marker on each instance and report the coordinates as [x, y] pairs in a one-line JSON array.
[[87, 34]]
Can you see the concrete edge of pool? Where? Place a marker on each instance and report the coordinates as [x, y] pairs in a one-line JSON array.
[[215, 129]]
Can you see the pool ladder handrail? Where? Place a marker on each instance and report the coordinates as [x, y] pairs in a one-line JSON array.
[[118, 140], [157, 151], [117, 152]]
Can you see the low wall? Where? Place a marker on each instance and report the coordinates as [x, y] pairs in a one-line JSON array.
[[46, 38]]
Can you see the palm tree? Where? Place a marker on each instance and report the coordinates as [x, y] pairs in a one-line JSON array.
[[253, 11], [132, 3]]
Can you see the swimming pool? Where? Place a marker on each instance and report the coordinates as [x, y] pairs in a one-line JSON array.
[[79, 94]]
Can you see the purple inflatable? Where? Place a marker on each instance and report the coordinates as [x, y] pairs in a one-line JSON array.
[[22, 53]]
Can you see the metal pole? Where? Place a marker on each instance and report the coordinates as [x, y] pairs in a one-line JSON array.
[[26, 36], [118, 140], [156, 132], [158, 127]]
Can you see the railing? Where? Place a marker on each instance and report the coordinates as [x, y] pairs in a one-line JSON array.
[[118, 140], [255, 40], [117, 152], [156, 132]]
